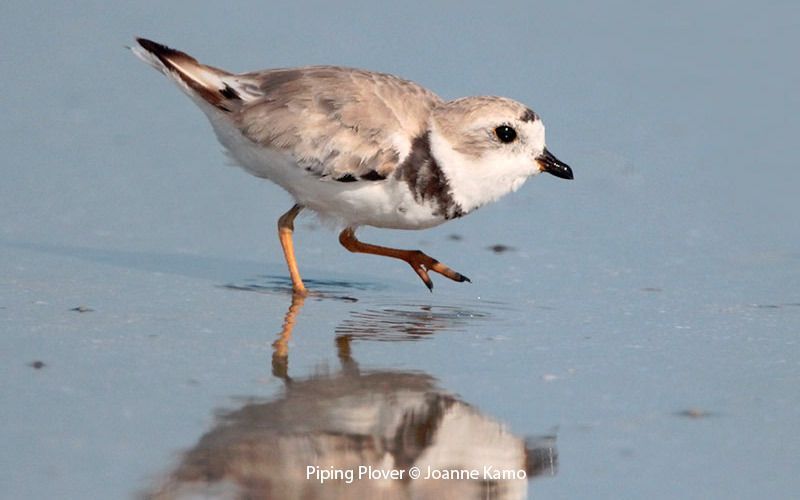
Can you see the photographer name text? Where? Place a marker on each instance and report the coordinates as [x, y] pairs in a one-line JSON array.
[[369, 473]]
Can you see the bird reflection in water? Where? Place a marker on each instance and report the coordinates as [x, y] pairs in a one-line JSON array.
[[387, 420]]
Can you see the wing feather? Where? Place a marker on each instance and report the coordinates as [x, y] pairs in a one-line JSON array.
[[339, 123]]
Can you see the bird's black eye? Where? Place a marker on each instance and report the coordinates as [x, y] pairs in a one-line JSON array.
[[505, 133]]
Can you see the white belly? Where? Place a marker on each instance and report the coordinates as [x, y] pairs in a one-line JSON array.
[[387, 204]]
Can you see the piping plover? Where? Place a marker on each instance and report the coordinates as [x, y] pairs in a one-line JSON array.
[[364, 148]]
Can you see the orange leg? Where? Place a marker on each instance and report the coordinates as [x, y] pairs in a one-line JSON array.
[[285, 230], [420, 262]]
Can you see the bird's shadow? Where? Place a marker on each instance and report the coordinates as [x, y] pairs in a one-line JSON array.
[[269, 278], [180, 264]]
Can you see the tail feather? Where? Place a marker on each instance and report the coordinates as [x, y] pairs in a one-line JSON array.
[[197, 80]]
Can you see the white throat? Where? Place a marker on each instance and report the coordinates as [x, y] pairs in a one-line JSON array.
[[476, 182]]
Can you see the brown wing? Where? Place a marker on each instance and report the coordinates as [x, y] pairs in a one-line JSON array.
[[339, 123]]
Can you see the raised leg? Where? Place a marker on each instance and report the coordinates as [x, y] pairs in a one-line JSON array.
[[420, 262], [285, 230]]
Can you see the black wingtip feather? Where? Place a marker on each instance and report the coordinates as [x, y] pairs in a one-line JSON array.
[[178, 62], [164, 53], [155, 47]]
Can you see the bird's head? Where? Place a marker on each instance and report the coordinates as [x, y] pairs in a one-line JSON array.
[[489, 146]]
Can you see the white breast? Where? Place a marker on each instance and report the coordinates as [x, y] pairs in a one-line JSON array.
[[476, 182]]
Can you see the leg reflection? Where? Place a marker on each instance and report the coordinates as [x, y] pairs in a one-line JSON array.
[[313, 438], [348, 364], [280, 353]]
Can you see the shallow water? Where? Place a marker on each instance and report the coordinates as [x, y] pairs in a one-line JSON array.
[[350, 421], [629, 334]]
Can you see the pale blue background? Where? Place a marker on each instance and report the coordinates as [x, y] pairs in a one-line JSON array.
[[680, 120]]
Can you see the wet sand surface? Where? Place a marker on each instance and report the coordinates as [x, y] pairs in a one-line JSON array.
[[630, 334]]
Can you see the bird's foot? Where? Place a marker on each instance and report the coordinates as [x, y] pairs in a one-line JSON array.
[[421, 263]]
